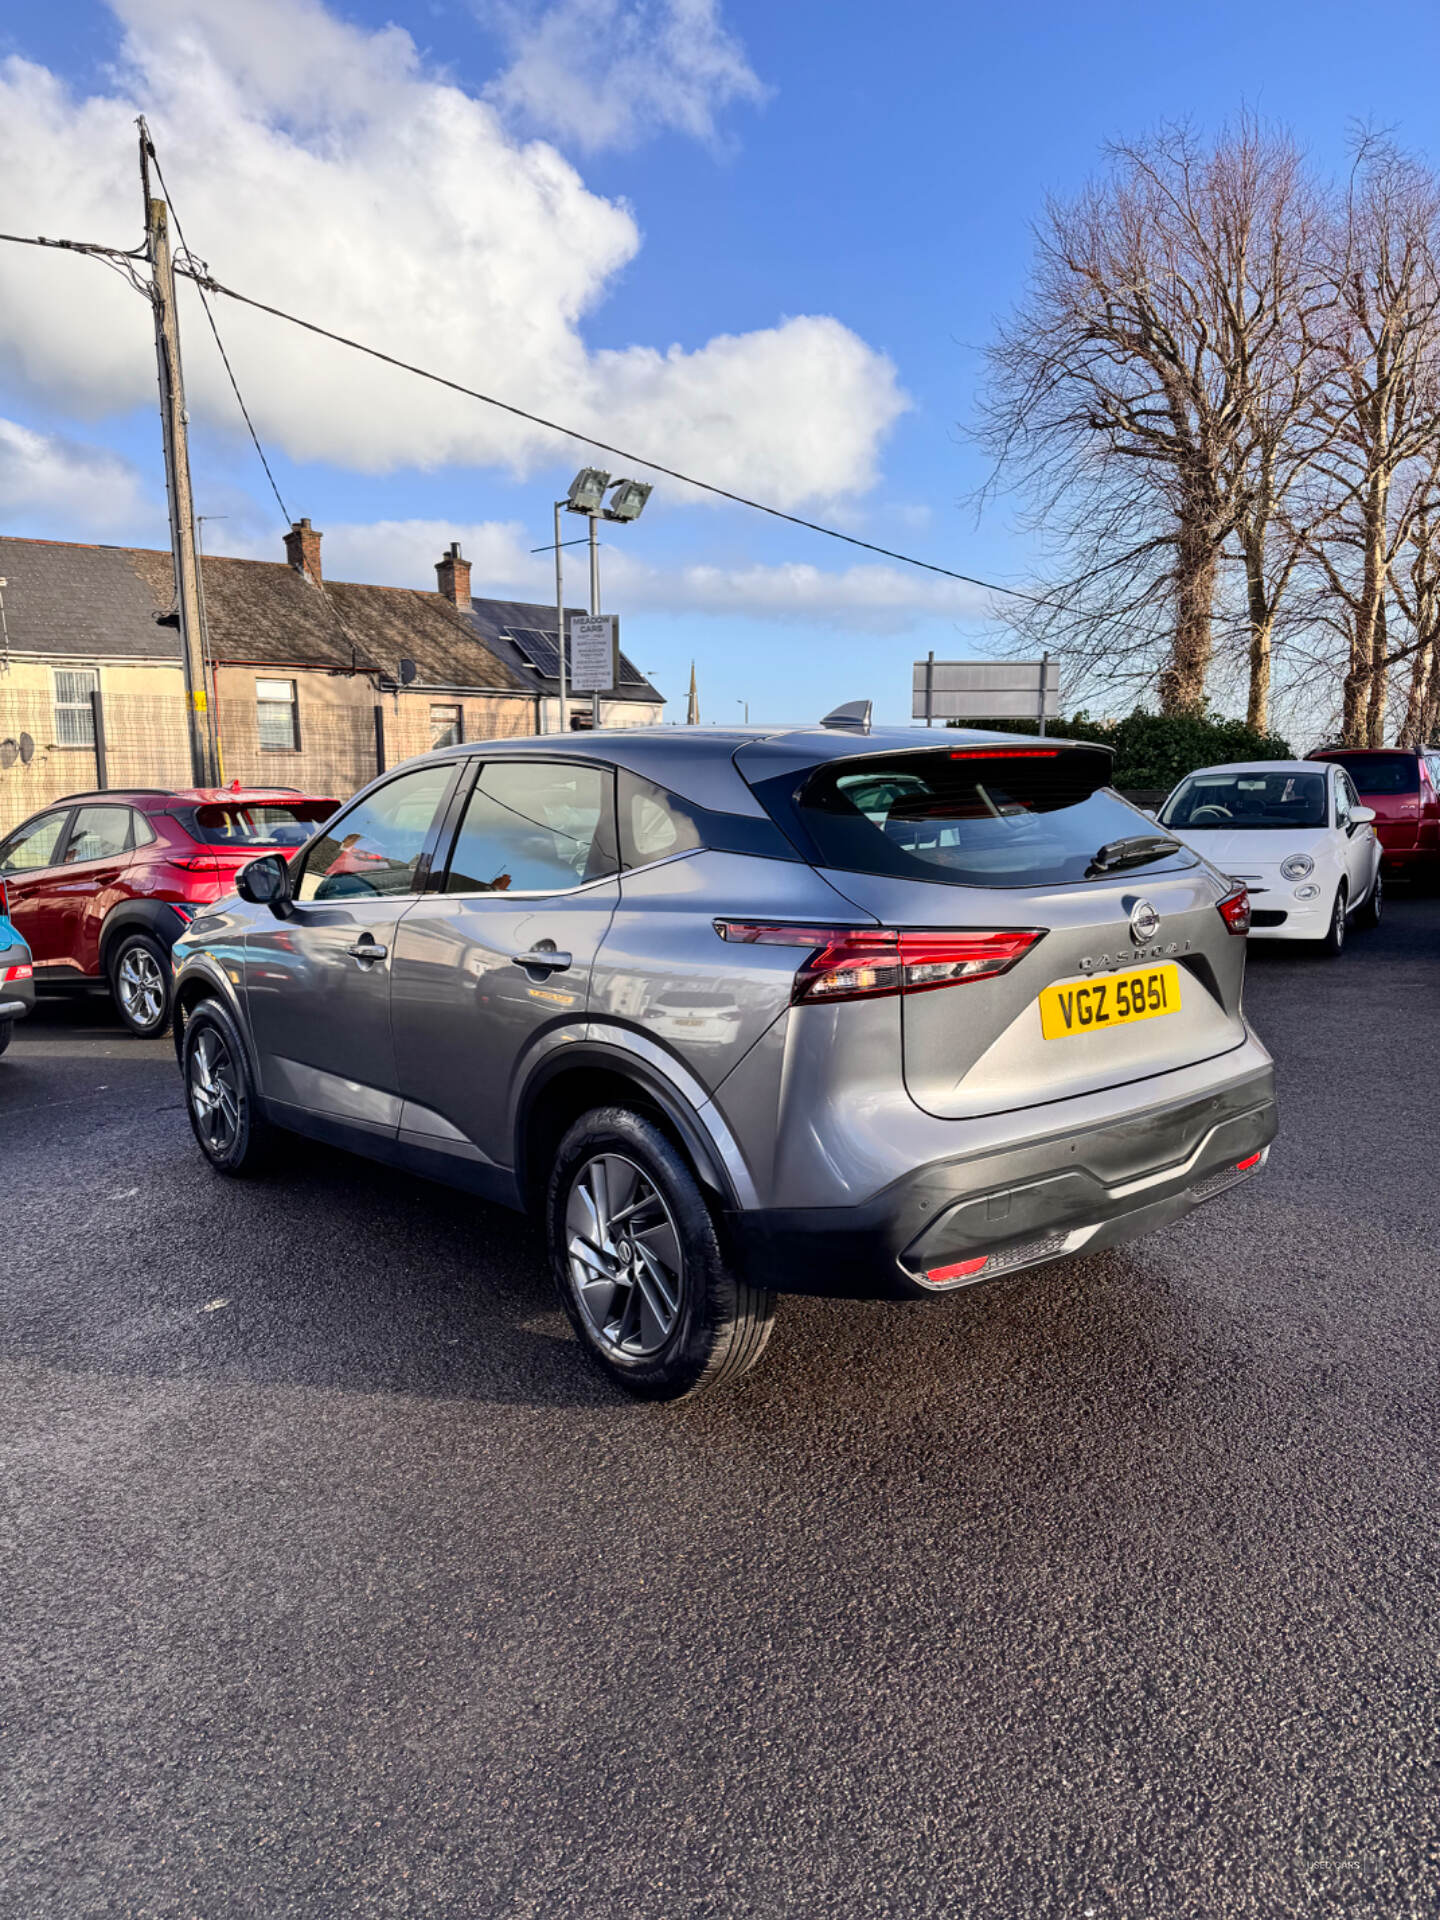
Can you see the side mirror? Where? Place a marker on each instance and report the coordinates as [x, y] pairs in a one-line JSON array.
[[266, 883], [1362, 816]]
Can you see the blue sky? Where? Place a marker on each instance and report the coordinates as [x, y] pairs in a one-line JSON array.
[[707, 174]]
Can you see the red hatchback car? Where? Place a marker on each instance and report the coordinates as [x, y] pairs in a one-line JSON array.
[[101, 885], [1402, 785]]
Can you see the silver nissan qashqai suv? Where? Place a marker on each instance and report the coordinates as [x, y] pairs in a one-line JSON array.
[[790, 1009]]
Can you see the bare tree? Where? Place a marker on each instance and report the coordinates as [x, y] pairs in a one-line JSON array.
[[1373, 475], [1147, 392]]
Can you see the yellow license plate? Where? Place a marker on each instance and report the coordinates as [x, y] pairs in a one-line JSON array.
[[1114, 1000]]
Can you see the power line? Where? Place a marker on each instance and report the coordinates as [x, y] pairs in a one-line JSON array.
[[207, 282], [604, 446]]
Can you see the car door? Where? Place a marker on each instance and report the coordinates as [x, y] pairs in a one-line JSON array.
[[318, 980], [502, 952], [30, 865], [1360, 843], [99, 848]]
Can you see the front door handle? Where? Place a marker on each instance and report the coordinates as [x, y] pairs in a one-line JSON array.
[[548, 959], [367, 950]]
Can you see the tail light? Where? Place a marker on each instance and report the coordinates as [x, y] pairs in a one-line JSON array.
[[198, 863], [1234, 910], [858, 963]]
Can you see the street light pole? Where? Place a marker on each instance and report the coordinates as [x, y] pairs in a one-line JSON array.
[[560, 614], [594, 608]]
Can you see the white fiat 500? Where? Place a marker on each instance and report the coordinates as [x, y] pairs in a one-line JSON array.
[[1295, 833]]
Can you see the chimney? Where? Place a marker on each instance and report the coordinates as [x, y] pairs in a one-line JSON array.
[[452, 578], [302, 550]]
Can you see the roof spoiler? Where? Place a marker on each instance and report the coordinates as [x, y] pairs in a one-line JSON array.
[[853, 717]]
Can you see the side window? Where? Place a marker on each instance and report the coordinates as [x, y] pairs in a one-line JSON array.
[[141, 831], [1342, 800], [100, 833], [534, 826], [653, 823], [375, 847], [34, 846]]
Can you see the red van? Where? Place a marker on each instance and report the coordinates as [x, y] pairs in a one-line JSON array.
[[1400, 784]]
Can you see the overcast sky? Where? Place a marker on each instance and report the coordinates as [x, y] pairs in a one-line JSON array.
[[763, 242]]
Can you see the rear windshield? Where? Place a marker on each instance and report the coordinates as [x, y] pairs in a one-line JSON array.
[[275, 823], [1241, 800], [1381, 772], [1006, 819]]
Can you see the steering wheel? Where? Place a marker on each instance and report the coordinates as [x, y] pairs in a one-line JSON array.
[[1207, 816]]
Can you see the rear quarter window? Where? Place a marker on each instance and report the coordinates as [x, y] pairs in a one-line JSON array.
[[1013, 818], [1382, 772]]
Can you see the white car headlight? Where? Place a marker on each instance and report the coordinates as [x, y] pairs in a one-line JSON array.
[[1299, 866]]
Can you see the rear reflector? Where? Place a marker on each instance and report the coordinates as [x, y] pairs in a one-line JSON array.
[[1234, 910], [17, 973], [961, 1270], [1244, 1166], [857, 963]]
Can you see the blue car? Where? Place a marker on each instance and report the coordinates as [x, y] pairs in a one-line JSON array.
[[17, 981]]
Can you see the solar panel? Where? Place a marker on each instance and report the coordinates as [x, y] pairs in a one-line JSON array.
[[537, 646]]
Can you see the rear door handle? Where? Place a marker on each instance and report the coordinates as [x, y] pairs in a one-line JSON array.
[[367, 950], [547, 958]]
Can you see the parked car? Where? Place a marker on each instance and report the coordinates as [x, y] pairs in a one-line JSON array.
[[100, 884], [1295, 835], [17, 984], [983, 1016], [1402, 788]]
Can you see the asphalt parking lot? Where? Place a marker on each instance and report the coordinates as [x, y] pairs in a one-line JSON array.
[[334, 1583]]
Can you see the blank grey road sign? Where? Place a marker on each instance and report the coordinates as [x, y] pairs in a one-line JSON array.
[[985, 689]]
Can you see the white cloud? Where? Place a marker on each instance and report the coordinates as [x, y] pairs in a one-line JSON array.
[[605, 73], [328, 170], [865, 598], [83, 486]]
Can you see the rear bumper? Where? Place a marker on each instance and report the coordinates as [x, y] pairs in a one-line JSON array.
[[1071, 1191]]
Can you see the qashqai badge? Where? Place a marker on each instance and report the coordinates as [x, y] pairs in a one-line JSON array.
[[1144, 923]]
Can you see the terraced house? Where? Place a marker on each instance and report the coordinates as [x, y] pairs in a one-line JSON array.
[[314, 684]]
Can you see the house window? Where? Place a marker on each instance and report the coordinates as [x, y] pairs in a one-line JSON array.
[[447, 726], [278, 715], [74, 715]]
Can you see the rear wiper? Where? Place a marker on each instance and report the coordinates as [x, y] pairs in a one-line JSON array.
[[1133, 851]]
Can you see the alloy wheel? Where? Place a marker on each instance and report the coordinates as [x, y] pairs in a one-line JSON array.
[[141, 987], [626, 1265], [214, 1090], [1337, 921]]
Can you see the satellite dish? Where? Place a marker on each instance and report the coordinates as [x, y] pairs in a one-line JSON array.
[[853, 717], [409, 673], [27, 749]]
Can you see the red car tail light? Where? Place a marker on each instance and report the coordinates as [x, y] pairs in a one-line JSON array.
[[197, 863], [857, 963], [1234, 910], [1005, 753]]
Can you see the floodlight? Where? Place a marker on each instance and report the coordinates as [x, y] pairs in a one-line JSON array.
[[627, 502], [587, 490]]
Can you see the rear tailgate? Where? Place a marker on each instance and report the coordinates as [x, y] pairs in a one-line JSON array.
[[979, 1047], [1007, 836]]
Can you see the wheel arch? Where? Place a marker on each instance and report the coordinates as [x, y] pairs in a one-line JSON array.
[[154, 917], [591, 1074]]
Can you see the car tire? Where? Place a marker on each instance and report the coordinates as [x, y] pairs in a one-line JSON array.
[[220, 1098], [661, 1308], [7, 1029], [140, 984], [1333, 942], [1368, 914]]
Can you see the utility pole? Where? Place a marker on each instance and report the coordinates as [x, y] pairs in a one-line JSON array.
[[173, 420]]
